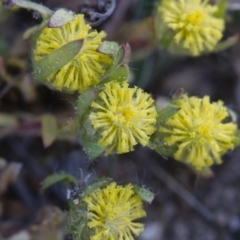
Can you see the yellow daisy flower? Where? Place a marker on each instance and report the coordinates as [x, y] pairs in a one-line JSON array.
[[111, 213], [86, 68], [199, 132], [124, 116], [193, 23]]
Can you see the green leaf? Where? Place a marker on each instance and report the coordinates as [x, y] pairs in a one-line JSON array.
[[164, 150], [102, 182], [82, 229], [233, 116], [152, 144], [159, 146], [56, 59], [92, 149], [110, 48], [69, 128], [119, 69], [120, 74], [221, 8], [121, 54], [58, 177], [166, 113], [84, 101], [77, 221], [49, 129], [167, 38], [226, 43], [60, 17], [34, 32], [144, 194], [8, 120], [237, 139]]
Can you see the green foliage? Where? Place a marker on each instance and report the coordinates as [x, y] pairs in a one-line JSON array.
[[155, 143], [84, 102], [87, 133], [110, 48], [167, 38], [56, 60], [166, 113], [77, 213], [221, 8], [60, 17], [58, 177], [77, 222], [49, 129], [119, 72], [144, 193], [164, 150], [229, 42], [121, 55], [102, 182], [92, 149], [44, 11], [237, 143]]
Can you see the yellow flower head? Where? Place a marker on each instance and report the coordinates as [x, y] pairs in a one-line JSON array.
[[85, 69], [199, 132], [124, 116], [193, 23], [112, 212]]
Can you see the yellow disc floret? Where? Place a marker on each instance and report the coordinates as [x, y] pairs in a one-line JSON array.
[[198, 131], [112, 212], [85, 69], [193, 23], [124, 116]]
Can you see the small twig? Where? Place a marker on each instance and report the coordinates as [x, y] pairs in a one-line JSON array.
[[102, 16], [96, 18], [178, 189], [9, 85]]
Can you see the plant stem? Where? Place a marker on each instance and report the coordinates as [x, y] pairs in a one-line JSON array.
[[44, 11]]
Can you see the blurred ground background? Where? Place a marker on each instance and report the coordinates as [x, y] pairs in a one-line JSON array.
[[186, 206]]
